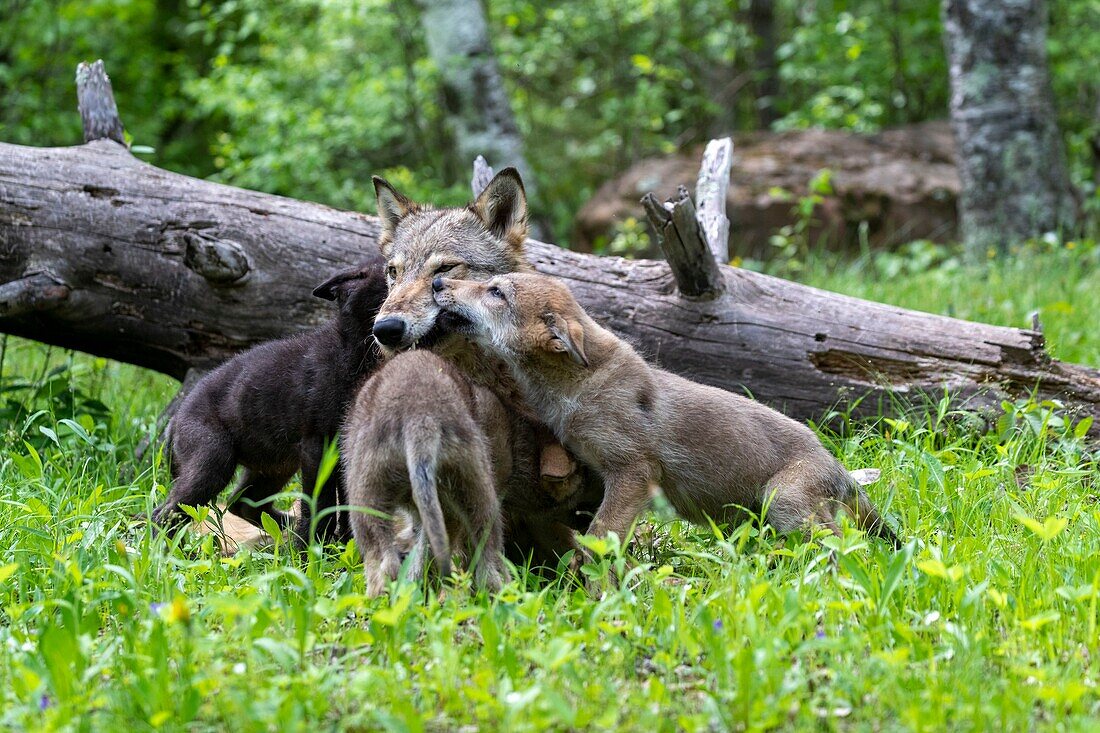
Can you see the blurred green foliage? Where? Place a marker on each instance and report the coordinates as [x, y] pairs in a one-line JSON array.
[[308, 98]]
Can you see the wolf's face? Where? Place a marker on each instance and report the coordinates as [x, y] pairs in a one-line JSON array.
[[516, 317], [420, 243]]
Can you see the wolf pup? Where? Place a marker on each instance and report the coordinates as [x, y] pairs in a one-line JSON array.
[[421, 437], [272, 408], [715, 454], [474, 242]]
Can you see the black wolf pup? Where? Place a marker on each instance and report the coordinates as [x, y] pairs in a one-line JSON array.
[[272, 409]]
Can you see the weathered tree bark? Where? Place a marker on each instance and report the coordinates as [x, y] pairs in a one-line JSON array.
[[711, 187], [483, 173], [96, 101], [681, 238], [103, 253], [1011, 163], [695, 237]]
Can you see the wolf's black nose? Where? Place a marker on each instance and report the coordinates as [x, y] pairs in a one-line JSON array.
[[389, 331], [437, 284]]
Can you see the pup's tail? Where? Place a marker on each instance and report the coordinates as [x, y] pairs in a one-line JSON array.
[[422, 449], [869, 520], [862, 510]]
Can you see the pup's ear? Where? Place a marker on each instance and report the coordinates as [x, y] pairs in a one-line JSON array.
[[330, 289], [392, 206], [567, 337], [502, 207]]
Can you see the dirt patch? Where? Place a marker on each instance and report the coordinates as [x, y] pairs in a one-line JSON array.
[[902, 182]]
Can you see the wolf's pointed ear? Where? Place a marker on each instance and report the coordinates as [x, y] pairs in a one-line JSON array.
[[392, 206], [330, 289], [567, 337], [502, 206]]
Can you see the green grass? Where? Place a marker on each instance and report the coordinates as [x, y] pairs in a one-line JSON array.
[[987, 619]]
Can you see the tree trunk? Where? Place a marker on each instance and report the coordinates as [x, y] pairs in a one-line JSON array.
[[103, 253], [765, 65], [1011, 163], [457, 36]]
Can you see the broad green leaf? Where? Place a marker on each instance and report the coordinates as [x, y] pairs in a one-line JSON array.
[[8, 570], [1040, 620], [271, 527], [1047, 530]]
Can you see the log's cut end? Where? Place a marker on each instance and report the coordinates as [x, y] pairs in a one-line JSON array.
[[96, 101]]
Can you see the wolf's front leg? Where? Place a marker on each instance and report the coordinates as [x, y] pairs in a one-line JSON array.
[[626, 495]]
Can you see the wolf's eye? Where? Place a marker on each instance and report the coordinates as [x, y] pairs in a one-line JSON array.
[[391, 271], [496, 292], [445, 268]]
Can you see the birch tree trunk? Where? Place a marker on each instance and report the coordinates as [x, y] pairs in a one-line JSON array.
[[457, 36], [1011, 162]]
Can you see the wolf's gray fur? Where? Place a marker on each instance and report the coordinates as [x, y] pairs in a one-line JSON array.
[[476, 242], [421, 437]]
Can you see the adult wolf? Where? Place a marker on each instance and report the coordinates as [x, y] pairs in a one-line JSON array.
[[475, 242]]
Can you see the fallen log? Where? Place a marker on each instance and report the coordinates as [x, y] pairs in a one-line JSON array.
[[103, 253]]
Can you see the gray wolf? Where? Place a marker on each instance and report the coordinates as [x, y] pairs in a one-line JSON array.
[[716, 455], [476, 242], [421, 438], [271, 410]]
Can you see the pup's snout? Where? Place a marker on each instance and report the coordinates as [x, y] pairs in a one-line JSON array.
[[437, 284], [389, 331]]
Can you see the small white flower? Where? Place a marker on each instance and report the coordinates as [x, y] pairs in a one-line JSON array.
[[239, 668]]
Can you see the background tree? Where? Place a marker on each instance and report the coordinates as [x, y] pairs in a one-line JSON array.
[[1011, 163], [474, 98], [309, 98], [765, 65]]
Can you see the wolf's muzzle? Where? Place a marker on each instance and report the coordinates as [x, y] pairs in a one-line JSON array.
[[389, 331]]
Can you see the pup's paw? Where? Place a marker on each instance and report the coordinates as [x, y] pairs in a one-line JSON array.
[[380, 573], [555, 463], [376, 584], [492, 576], [169, 518]]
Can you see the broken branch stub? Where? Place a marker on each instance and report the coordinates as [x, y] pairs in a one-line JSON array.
[[692, 264], [96, 101], [483, 173], [710, 197], [36, 291]]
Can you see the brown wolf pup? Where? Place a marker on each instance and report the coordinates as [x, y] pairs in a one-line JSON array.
[[475, 242], [715, 454], [421, 438]]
